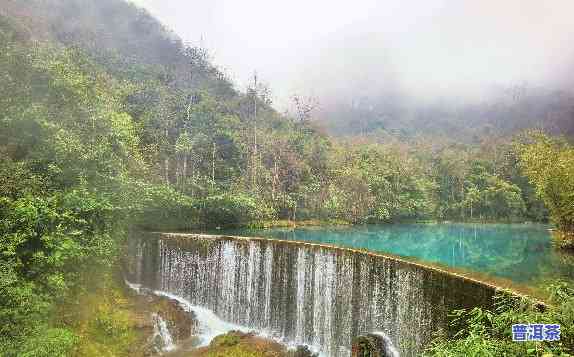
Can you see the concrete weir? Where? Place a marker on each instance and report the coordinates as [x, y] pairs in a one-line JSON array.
[[305, 293]]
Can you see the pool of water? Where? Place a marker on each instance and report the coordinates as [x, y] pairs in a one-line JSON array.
[[521, 253]]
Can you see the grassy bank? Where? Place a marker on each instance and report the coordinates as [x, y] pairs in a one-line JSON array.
[[107, 320]]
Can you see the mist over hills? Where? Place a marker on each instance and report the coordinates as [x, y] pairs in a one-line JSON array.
[[359, 92], [513, 110], [428, 65]]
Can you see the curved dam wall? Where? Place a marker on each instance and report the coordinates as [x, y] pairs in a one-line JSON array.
[[306, 293]]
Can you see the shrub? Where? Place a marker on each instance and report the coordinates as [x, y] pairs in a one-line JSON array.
[[488, 333], [51, 342], [549, 165], [233, 210]]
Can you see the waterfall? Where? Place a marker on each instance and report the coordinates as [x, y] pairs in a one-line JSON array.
[[302, 293], [210, 325], [162, 332]]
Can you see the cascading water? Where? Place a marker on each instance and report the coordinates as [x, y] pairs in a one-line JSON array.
[[209, 325], [303, 293], [162, 333]]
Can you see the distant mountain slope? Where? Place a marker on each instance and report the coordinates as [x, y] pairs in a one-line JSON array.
[[119, 34], [505, 114]]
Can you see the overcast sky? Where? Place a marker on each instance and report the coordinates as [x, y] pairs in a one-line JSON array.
[[427, 48]]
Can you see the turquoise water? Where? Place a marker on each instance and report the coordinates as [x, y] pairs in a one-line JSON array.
[[519, 252]]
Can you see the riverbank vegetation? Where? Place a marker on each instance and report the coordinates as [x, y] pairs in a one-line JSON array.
[[108, 121], [487, 333], [549, 164]]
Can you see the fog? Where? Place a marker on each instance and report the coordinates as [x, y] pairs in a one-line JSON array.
[[426, 50]]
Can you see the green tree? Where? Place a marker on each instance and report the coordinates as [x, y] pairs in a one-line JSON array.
[[549, 165]]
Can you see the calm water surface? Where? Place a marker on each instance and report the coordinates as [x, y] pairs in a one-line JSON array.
[[519, 252]]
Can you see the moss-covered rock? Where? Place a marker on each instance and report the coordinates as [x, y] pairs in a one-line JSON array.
[[182, 324], [371, 345], [239, 344]]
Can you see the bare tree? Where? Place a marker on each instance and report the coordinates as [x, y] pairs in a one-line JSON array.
[[253, 92], [304, 106], [259, 93]]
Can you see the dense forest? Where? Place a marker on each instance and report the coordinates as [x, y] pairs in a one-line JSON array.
[[109, 121]]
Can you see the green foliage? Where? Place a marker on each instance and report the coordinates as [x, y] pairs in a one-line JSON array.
[[147, 117], [156, 207], [378, 183], [488, 333], [46, 243], [232, 210], [549, 165], [237, 344], [62, 134], [109, 325], [226, 340], [51, 342]]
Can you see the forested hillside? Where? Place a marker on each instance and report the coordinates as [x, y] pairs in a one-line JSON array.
[[109, 121], [208, 141]]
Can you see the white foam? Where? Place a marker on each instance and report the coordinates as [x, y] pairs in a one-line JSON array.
[[161, 330], [211, 326], [133, 286]]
